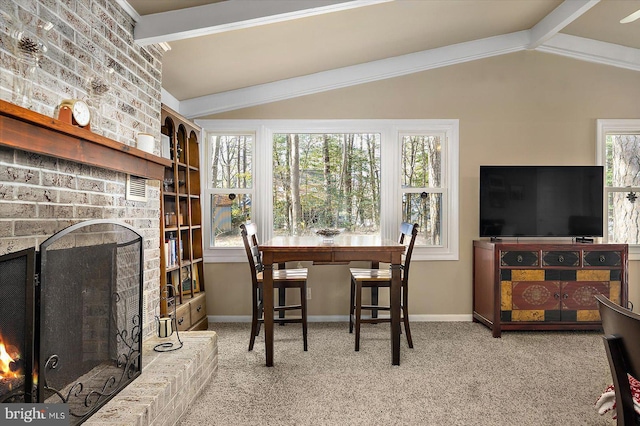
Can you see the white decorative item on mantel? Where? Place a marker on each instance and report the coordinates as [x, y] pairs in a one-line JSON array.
[[145, 142]]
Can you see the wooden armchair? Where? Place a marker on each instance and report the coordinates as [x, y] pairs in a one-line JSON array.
[[282, 279], [622, 344], [379, 278]]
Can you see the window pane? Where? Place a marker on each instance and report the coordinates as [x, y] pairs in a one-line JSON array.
[[228, 212], [326, 180], [623, 219], [623, 162], [425, 210], [231, 161], [421, 161]]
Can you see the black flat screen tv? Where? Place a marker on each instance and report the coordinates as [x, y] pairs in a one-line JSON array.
[[541, 201]]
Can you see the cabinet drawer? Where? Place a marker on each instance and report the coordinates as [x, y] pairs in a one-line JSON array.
[[519, 258], [183, 317], [561, 258], [198, 309], [602, 258]]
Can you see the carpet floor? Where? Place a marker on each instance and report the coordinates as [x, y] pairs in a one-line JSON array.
[[457, 374]]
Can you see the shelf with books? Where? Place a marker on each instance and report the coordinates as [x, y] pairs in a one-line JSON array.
[[182, 262]]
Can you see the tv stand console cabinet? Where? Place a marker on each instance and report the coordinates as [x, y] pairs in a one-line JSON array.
[[545, 286]]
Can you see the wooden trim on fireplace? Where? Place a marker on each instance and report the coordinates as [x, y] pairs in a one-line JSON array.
[[30, 131]]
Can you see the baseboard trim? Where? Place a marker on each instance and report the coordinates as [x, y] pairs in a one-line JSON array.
[[345, 318]]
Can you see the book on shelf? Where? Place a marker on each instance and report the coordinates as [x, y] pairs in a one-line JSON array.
[[171, 251]]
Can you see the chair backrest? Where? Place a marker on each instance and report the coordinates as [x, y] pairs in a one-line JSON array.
[[408, 231], [251, 247], [621, 322], [622, 344]]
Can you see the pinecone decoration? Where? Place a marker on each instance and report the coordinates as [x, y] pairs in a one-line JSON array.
[[98, 87], [27, 45]]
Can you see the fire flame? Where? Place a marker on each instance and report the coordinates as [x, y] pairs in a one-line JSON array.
[[8, 361]]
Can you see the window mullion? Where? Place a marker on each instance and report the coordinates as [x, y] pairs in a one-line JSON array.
[[263, 214]]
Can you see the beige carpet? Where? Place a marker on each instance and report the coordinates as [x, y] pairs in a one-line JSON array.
[[457, 374]]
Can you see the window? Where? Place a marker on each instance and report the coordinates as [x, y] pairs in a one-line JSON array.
[[230, 186], [618, 147], [326, 181], [422, 189], [292, 177]]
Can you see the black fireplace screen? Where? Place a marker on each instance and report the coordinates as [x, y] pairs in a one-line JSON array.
[[17, 273], [88, 318]]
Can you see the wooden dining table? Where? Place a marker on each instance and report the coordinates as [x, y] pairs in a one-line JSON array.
[[342, 249]]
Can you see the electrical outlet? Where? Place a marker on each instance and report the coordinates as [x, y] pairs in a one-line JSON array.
[[308, 293]]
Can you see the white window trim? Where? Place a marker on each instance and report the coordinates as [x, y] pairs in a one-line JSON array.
[[604, 127], [390, 191]]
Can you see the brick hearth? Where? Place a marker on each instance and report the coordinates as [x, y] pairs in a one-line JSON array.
[[169, 383]]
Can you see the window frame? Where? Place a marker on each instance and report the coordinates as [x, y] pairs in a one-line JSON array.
[[390, 187], [604, 127]]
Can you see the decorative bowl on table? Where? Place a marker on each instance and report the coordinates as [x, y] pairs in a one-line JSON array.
[[328, 233]]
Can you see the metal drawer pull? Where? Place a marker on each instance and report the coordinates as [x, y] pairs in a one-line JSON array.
[[519, 258], [602, 259], [561, 258], [199, 308], [181, 320]]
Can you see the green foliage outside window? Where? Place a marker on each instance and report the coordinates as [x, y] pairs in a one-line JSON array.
[[326, 180]]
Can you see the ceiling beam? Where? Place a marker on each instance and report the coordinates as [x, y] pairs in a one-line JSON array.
[[567, 12], [561, 44], [231, 15], [596, 51], [355, 74]]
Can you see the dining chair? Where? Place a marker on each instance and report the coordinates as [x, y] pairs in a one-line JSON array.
[[375, 279], [282, 279], [622, 344]]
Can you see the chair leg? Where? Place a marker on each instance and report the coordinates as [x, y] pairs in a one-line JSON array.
[[255, 314], [374, 301], [407, 330], [358, 313], [282, 300], [303, 304], [351, 305], [405, 316]]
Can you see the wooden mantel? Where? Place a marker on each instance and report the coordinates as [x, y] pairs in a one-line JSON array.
[[30, 131]]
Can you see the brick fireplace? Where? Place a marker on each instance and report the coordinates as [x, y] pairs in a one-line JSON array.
[[75, 175], [47, 186], [74, 333], [169, 382]]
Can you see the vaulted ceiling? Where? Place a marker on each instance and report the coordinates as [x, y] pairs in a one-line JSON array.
[[232, 54]]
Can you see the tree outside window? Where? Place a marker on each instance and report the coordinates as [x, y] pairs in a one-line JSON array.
[[618, 151], [623, 180], [326, 181], [422, 186]]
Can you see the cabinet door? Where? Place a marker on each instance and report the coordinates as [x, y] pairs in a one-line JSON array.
[[526, 295], [535, 300], [578, 301]]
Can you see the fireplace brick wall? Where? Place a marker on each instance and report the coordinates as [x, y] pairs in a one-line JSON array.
[[41, 195]]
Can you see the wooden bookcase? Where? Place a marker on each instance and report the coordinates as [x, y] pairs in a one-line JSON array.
[[545, 286], [181, 226]]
